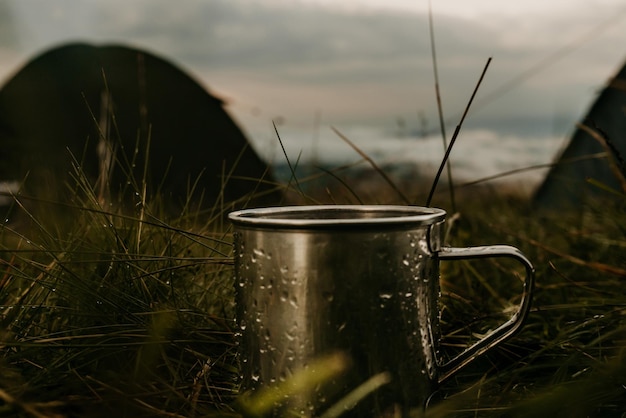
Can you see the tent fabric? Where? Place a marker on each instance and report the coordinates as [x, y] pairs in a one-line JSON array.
[[598, 142], [72, 100]]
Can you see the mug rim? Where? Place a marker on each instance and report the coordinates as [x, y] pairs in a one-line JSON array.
[[316, 216]]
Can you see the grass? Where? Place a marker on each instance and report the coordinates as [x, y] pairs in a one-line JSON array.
[[105, 312], [568, 360], [130, 313]]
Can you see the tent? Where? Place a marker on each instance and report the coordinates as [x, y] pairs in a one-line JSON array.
[[116, 110], [593, 159]]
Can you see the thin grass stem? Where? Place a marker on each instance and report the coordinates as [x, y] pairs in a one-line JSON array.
[[374, 166], [442, 124], [455, 135]]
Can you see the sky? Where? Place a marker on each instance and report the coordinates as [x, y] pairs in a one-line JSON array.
[[356, 64]]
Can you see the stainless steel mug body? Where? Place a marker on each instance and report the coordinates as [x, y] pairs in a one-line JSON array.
[[359, 280]]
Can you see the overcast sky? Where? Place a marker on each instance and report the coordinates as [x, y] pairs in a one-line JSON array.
[[355, 62]]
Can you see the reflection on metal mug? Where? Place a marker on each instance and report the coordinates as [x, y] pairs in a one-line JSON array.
[[361, 280]]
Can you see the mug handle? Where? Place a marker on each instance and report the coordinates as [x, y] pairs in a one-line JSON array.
[[507, 329]]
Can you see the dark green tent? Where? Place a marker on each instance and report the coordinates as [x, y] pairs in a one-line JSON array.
[[103, 102], [585, 157]]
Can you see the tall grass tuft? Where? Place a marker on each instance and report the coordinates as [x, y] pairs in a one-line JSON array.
[[107, 312]]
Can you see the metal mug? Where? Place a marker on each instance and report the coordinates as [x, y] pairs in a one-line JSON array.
[[362, 280]]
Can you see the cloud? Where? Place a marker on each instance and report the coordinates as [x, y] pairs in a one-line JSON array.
[[356, 65]]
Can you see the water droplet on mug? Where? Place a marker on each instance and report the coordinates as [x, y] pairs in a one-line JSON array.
[[328, 296], [405, 259], [284, 296], [384, 298]]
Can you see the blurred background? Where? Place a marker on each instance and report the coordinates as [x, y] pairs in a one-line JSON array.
[[364, 67]]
